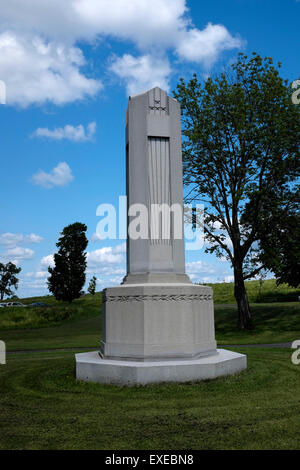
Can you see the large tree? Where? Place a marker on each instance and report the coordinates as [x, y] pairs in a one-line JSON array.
[[278, 234], [8, 278], [67, 277], [241, 144]]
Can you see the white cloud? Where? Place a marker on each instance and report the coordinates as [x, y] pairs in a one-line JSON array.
[[33, 238], [36, 71], [140, 21], [142, 73], [95, 237], [120, 248], [68, 132], [35, 284], [41, 61], [205, 46], [17, 254], [47, 261], [14, 239], [11, 239], [61, 175], [14, 252], [42, 269], [38, 274], [104, 256], [200, 267]]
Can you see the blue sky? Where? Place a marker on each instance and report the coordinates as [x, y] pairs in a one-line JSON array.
[[69, 68]]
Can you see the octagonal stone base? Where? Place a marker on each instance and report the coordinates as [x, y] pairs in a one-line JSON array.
[[90, 367], [158, 321]]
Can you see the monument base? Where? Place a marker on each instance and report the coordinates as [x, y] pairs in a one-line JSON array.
[[90, 367], [157, 321]]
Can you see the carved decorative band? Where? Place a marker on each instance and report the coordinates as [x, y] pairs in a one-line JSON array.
[[169, 298]]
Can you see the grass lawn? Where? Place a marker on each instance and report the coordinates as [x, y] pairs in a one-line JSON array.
[[43, 407], [79, 324], [273, 323], [267, 292]]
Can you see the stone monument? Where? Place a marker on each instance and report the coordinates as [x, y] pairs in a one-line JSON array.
[[157, 325]]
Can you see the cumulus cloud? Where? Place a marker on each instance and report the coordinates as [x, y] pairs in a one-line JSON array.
[[36, 71], [142, 73], [68, 132], [40, 59], [17, 254], [206, 272], [13, 239], [104, 256], [39, 284], [205, 46], [47, 261], [140, 21], [61, 175], [38, 274], [14, 252], [107, 261]]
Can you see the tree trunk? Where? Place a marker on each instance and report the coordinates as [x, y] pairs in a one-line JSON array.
[[240, 294], [2, 295]]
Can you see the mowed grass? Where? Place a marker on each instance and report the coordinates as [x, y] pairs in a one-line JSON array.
[[273, 323], [43, 407], [265, 293], [79, 324]]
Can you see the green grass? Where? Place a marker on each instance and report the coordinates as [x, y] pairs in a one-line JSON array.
[[224, 292], [35, 328], [273, 323], [43, 407], [56, 314], [81, 329]]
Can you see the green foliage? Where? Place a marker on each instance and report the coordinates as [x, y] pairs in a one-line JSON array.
[[67, 278], [70, 316], [8, 278], [241, 147], [279, 236], [92, 285], [34, 317]]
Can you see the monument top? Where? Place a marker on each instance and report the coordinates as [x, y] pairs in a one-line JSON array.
[[154, 182]]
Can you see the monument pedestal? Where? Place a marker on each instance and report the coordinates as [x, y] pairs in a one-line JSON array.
[[157, 321], [90, 367], [157, 333]]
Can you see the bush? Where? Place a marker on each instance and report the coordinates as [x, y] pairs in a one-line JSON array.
[[54, 315]]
